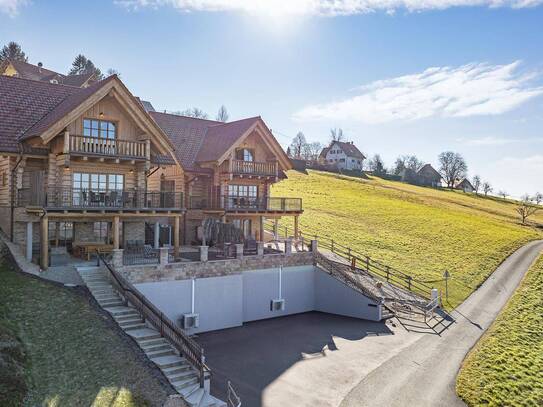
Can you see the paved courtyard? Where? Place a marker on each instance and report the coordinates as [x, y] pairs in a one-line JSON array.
[[310, 359]]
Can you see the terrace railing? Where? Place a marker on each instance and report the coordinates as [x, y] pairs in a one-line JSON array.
[[108, 147], [254, 167], [358, 260], [246, 203], [187, 347], [75, 198]]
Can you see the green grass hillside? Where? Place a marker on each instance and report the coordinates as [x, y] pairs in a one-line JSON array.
[[421, 231], [505, 366]]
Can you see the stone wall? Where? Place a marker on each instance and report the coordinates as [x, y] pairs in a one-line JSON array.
[[215, 268], [84, 232]]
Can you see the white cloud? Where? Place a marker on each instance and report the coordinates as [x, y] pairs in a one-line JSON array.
[[520, 175], [322, 7], [11, 7], [468, 90], [496, 141]]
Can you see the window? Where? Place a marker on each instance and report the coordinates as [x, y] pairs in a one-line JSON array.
[[99, 129], [250, 191], [342, 160], [101, 231], [244, 154], [98, 182]]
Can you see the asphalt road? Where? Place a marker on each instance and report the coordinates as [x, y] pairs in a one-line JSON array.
[[424, 374]]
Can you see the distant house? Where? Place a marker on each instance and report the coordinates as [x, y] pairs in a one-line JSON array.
[[24, 70], [464, 185], [343, 155], [428, 176]]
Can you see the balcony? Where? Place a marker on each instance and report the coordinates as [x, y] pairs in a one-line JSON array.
[[116, 148], [266, 204], [258, 168], [89, 200]]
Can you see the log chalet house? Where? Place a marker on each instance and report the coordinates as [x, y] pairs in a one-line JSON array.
[[87, 167]]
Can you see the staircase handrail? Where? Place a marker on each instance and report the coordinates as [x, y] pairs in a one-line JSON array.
[[187, 347]]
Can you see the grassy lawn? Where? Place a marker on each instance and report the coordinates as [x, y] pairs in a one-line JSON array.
[[421, 231], [56, 350], [505, 368]]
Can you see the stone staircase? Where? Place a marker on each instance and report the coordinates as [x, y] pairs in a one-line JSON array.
[[177, 370]]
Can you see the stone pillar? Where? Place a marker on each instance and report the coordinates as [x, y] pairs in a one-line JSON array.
[[260, 248], [164, 255], [117, 258], [157, 235], [239, 251], [314, 245], [204, 253], [115, 227], [29, 241], [288, 247], [44, 251]]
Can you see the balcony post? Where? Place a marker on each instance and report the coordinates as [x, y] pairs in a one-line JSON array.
[[296, 227], [157, 235], [29, 241], [44, 251], [176, 236], [239, 251], [115, 232], [261, 227], [275, 229], [66, 149]]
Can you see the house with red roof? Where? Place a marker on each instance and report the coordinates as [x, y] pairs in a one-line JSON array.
[[25, 70], [342, 155], [90, 168]]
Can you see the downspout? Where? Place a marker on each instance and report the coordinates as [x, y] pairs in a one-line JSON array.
[[13, 190]]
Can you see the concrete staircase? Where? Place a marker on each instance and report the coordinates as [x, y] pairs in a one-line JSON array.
[[177, 370]]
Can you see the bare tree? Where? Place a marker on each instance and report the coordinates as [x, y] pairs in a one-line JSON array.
[[336, 134], [503, 194], [410, 162], [222, 114], [314, 149], [12, 51], [538, 198], [526, 208], [476, 184], [377, 165], [193, 112], [297, 145], [452, 167], [487, 188]]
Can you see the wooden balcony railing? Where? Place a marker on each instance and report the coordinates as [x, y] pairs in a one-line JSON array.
[[253, 167], [107, 147], [73, 198]]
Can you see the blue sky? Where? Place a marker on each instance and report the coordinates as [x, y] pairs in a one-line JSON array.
[[399, 76]]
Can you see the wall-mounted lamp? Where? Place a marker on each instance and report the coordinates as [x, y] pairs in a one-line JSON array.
[[101, 115]]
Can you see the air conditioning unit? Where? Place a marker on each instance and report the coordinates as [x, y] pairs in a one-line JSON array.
[[277, 305], [188, 321]]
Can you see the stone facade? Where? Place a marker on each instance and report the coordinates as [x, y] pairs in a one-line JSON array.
[[84, 232], [215, 268], [133, 231]]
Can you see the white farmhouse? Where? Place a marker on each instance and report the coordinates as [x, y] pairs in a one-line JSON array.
[[344, 155]]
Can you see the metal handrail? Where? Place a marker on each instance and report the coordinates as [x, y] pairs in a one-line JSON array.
[[232, 399], [187, 347], [364, 262]]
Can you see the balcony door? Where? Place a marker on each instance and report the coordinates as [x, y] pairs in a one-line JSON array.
[[243, 196], [167, 194]]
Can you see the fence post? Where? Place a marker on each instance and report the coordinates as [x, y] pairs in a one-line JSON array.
[[239, 251], [204, 253], [367, 264], [164, 253], [409, 282], [388, 273], [314, 245], [332, 245], [288, 247], [117, 260]]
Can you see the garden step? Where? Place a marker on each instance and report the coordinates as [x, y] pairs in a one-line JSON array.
[[185, 383], [177, 369], [132, 326], [103, 291], [152, 342], [156, 346], [187, 391], [160, 352], [180, 375], [168, 361], [110, 303], [133, 317], [143, 334], [195, 397], [120, 310], [210, 401], [105, 297]]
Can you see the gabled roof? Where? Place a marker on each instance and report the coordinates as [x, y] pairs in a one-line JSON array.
[[428, 170], [200, 140], [31, 108], [37, 73], [348, 148], [464, 183]]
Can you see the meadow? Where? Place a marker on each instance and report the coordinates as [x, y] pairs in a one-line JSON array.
[[505, 366], [420, 231]]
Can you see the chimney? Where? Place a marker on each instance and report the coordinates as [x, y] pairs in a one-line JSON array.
[[39, 66]]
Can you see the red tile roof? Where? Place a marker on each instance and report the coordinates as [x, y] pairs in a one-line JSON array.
[[36, 73], [24, 103], [348, 148]]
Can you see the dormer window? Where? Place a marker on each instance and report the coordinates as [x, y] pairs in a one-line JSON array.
[[99, 129], [244, 154]]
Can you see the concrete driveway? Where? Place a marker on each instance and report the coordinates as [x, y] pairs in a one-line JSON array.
[[311, 359], [424, 374]]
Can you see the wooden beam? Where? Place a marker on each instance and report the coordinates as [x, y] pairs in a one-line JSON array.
[[176, 236], [115, 232], [44, 251]]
